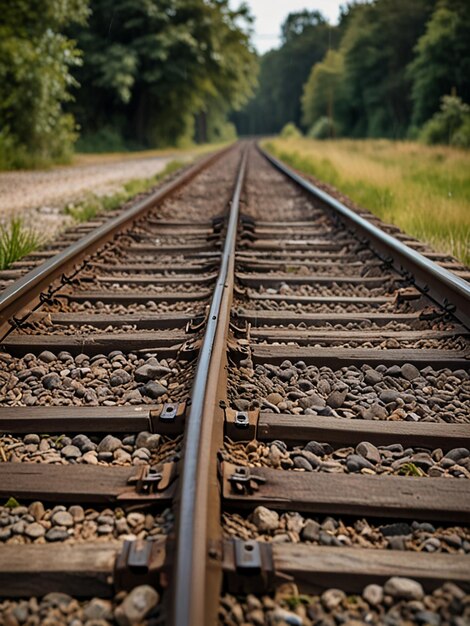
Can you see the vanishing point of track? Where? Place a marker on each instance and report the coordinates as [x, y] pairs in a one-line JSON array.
[[237, 391]]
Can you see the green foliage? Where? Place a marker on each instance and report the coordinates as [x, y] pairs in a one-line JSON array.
[[283, 72], [451, 125], [461, 137], [377, 48], [410, 469], [11, 503], [442, 61], [290, 131], [151, 66], [323, 128], [322, 92], [293, 602], [35, 62], [354, 73], [16, 241], [105, 139]]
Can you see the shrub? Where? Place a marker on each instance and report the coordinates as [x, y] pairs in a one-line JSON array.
[[290, 131], [106, 139], [450, 125], [461, 137], [323, 128]]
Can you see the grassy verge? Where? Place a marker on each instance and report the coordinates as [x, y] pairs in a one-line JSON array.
[[93, 204], [18, 240], [425, 190]]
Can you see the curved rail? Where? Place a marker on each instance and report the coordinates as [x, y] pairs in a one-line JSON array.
[[22, 291], [191, 546], [444, 286]]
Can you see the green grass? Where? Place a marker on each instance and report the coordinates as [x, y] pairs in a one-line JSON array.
[[93, 205], [425, 190], [16, 241]]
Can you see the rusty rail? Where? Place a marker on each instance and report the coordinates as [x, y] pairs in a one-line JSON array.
[[191, 556], [23, 291], [449, 290]]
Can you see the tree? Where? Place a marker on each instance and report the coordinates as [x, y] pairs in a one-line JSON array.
[[442, 61], [307, 37], [296, 24], [150, 66], [377, 47], [322, 90], [35, 63]]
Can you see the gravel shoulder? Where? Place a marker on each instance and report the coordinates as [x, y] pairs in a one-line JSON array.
[[39, 196]]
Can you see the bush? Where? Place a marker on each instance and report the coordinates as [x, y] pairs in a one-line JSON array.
[[15, 156], [106, 139], [461, 137], [450, 125], [290, 131], [36, 61], [323, 128]]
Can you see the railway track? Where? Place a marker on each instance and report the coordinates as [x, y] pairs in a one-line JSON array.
[[237, 402]]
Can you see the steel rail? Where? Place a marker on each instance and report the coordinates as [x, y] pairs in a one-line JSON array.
[[191, 547], [24, 290], [445, 287]]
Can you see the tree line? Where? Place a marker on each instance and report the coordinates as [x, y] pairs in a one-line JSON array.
[[390, 68], [130, 74], [119, 74]]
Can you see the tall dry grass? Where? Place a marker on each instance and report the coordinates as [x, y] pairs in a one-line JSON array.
[[425, 190]]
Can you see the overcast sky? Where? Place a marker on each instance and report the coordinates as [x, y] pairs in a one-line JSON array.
[[270, 14]]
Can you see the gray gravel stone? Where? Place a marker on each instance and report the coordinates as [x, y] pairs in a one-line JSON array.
[[409, 371], [109, 444], [373, 594], [355, 463], [311, 530], [404, 588], [56, 534], [32, 438], [301, 463], [99, 609], [372, 377], [47, 357], [457, 454], [389, 395], [70, 452], [52, 381], [137, 604], [77, 512], [119, 377], [368, 451], [62, 518], [265, 519], [154, 390], [399, 528], [332, 598], [35, 530], [336, 398]]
